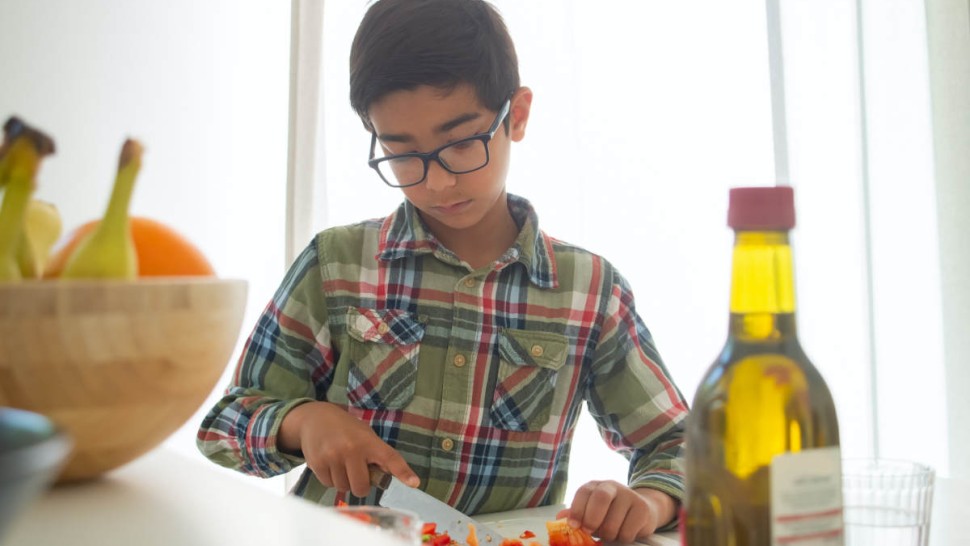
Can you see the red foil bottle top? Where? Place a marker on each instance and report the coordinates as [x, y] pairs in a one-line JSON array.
[[768, 208]]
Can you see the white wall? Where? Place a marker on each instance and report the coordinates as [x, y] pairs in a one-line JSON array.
[[203, 84]]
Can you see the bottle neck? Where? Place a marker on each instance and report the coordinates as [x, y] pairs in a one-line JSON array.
[[762, 286]]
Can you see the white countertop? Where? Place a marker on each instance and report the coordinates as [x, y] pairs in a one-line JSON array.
[[165, 499]]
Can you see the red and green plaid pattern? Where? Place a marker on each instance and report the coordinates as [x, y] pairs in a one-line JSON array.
[[475, 376]]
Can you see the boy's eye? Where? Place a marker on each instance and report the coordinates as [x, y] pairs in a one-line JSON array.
[[465, 144]]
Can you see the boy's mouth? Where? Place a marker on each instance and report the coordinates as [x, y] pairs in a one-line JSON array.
[[452, 208]]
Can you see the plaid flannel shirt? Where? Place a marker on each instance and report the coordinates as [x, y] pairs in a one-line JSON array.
[[475, 376]]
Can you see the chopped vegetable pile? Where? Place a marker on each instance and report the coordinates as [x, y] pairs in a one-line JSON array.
[[560, 534]]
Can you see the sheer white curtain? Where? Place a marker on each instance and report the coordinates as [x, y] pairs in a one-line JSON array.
[[948, 25], [645, 113]]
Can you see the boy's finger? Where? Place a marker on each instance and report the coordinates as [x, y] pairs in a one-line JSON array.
[[358, 477], [637, 525], [395, 465], [322, 472], [577, 511], [338, 475], [614, 518], [601, 498]]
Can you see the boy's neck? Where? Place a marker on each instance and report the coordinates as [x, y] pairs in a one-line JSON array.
[[483, 243]]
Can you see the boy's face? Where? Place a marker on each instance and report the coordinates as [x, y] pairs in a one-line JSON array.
[[425, 118]]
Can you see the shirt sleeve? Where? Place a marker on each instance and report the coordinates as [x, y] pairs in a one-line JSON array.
[[638, 408], [286, 361]]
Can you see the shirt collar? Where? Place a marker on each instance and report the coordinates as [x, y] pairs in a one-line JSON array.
[[404, 234]]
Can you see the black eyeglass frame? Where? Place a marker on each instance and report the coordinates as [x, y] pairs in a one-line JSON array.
[[433, 155]]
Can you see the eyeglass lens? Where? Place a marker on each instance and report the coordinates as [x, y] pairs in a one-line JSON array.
[[460, 157]]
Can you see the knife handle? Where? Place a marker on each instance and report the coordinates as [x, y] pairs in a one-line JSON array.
[[378, 478]]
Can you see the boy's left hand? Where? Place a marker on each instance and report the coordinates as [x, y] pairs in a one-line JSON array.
[[614, 512]]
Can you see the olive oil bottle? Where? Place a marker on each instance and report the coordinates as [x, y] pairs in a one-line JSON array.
[[763, 460]]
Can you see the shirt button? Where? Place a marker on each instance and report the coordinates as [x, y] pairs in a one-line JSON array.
[[459, 360], [447, 444], [537, 350], [383, 328], [469, 282]]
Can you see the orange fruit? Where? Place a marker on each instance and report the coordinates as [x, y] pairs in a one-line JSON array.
[[162, 251]]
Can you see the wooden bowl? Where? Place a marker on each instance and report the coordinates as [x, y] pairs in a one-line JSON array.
[[118, 365]]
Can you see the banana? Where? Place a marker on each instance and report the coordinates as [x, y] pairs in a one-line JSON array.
[[21, 152], [108, 252], [42, 228]]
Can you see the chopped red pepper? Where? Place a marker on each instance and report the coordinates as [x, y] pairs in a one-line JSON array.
[[527, 534], [561, 534]]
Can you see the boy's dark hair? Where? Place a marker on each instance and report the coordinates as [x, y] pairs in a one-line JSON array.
[[403, 44]]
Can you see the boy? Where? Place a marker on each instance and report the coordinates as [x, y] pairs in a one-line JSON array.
[[452, 343]]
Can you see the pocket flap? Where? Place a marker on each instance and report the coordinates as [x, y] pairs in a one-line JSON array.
[[390, 326], [526, 348]]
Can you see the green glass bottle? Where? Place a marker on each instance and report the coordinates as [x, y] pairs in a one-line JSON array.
[[763, 460]]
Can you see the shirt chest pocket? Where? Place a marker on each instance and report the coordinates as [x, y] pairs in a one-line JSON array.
[[528, 365], [383, 346]]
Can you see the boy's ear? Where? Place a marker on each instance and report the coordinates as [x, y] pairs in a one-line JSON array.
[[519, 112]]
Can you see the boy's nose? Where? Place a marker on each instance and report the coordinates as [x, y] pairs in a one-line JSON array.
[[439, 178]]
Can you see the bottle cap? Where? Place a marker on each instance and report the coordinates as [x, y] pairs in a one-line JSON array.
[[767, 208]]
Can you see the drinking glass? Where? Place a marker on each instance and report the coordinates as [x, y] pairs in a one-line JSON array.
[[887, 502]]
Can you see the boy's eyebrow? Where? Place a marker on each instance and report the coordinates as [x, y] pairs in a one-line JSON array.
[[451, 124], [443, 128]]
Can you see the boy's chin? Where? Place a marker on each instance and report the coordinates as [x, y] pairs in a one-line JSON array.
[[453, 223]]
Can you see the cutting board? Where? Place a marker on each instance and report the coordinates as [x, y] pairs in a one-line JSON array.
[[513, 523]]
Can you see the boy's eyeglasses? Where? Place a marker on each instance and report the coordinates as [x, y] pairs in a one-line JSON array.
[[458, 157]]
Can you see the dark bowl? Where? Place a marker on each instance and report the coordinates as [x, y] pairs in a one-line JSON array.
[[32, 452]]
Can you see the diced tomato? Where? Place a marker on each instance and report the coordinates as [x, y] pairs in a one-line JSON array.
[[511, 542], [561, 534], [430, 536], [527, 534]]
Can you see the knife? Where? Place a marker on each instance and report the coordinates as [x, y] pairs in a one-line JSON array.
[[429, 509]]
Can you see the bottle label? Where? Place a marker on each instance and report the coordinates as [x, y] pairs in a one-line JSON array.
[[806, 498]]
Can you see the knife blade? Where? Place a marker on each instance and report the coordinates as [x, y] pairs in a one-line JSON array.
[[431, 510]]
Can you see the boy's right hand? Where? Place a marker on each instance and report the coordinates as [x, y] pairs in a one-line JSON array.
[[338, 447]]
